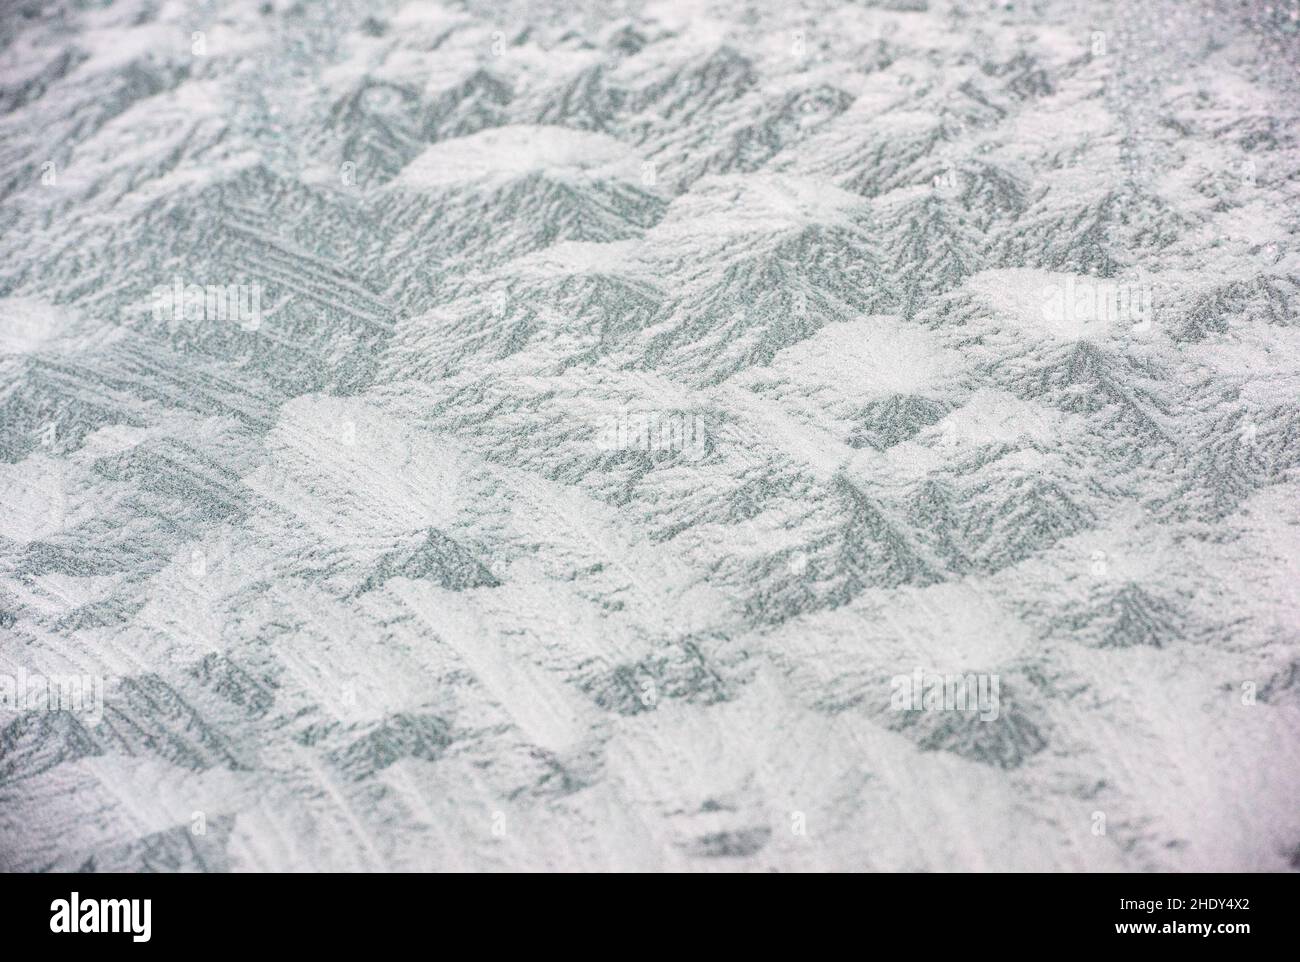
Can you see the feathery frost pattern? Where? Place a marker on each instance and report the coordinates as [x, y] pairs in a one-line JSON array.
[[650, 436]]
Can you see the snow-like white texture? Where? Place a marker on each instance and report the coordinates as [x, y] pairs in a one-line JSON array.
[[722, 206], [992, 417], [35, 499], [638, 392], [509, 152], [581, 257], [876, 356], [392, 478], [29, 324]]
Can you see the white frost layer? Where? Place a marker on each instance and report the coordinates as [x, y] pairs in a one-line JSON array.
[[510, 152]]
